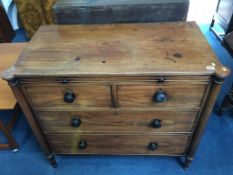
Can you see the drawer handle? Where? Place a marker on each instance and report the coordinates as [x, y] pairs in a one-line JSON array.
[[76, 122], [153, 146], [156, 123], [69, 96], [82, 144], [160, 96]]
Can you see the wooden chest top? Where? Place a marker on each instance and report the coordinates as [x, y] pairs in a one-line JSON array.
[[151, 49]]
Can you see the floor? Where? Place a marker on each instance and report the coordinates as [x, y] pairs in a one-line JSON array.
[[214, 156]]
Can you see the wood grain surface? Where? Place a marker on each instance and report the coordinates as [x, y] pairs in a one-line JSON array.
[[87, 95], [187, 96], [183, 94], [118, 144], [117, 122], [114, 72], [9, 54], [117, 49]]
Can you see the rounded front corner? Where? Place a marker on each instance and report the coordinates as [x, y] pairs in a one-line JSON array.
[[222, 72], [8, 74]]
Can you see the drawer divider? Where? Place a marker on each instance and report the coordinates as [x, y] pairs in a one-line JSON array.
[[114, 96]]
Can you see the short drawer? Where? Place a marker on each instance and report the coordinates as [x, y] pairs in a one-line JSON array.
[[118, 144], [75, 95], [97, 121], [176, 95]]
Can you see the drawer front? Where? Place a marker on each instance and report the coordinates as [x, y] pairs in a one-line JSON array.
[[118, 144], [117, 121], [76, 95], [149, 95]]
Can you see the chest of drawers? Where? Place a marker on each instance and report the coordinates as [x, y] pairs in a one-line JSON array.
[[135, 89]]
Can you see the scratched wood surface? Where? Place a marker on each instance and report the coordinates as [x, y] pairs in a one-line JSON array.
[[119, 49]]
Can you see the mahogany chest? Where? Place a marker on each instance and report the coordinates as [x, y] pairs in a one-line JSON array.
[[135, 89]]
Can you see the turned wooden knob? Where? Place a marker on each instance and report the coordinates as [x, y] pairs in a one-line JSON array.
[[160, 96], [82, 144], [69, 96], [76, 122], [156, 123], [153, 146]]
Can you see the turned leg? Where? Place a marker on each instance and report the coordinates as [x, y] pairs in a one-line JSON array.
[[188, 160], [33, 123], [52, 160], [203, 119]]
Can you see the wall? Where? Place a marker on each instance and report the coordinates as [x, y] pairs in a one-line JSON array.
[[202, 11]]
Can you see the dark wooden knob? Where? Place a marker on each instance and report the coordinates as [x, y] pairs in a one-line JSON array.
[[76, 122], [156, 123], [82, 144], [69, 96], [153, 146], [160, 96]]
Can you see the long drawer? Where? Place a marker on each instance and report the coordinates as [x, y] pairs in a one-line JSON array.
[[127, 122], [118, 144]]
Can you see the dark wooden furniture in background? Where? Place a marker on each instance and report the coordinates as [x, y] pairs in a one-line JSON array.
[[8, 55], [136, 89], [227, 102], [223, 17], [6, 31], [228, 42], [119, 11]]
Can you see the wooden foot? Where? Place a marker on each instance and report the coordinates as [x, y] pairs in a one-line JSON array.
[[52, 160], [187, 162]]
